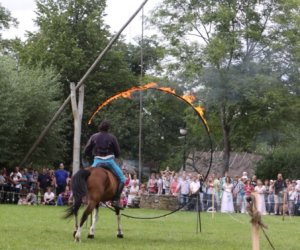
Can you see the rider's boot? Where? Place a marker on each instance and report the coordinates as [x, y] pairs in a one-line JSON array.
[[116, 203]]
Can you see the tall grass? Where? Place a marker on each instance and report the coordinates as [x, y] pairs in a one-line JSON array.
[[42, 228]]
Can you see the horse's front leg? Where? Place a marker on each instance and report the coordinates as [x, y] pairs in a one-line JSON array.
[[93, 226], [119, 232]]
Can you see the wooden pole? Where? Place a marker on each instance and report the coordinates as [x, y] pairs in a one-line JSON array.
[[255, 236], [82, 80], [255, 220]]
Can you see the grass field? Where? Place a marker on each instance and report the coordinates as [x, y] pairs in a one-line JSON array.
[[41, 228]]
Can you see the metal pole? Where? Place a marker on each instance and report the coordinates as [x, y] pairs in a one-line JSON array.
[[64, 105], [184, 146], [141, 102]]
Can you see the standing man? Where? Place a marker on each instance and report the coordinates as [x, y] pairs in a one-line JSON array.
[[279, 188], [104, 148], [61, 176]]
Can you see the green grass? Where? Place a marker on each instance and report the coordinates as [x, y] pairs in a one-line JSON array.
[[41, 228]]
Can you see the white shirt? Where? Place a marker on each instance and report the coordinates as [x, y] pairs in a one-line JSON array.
[[194, 186], [49, 196]]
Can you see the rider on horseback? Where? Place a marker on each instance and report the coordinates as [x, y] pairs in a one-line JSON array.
[[104, 147]]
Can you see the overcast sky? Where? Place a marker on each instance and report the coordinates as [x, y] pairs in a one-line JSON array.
[[118, 12]]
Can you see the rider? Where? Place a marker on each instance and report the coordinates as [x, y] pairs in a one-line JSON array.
[[104, 147]]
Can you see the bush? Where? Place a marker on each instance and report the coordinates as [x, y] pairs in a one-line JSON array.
[[281, 160]]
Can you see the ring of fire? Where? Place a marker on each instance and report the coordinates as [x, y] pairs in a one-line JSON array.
[[186, 98]]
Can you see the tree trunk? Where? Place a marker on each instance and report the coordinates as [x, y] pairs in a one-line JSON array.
[[226, 140], [77, 109]]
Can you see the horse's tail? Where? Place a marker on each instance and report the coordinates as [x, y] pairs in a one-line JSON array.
[[79, 190]]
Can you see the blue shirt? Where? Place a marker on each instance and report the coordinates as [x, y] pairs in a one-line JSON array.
[[61, 176]]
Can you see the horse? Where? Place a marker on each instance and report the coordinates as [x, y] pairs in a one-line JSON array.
[[96, 184]]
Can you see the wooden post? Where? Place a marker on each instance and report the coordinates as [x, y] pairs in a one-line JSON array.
[[255, 236], [255, 220], [77, 110]]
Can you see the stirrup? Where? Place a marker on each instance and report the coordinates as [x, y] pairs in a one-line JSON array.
[[117, 204]]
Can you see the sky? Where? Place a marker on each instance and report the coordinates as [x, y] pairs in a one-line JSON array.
[[118, 12]]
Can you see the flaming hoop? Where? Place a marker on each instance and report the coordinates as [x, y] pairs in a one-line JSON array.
[[189, 99]]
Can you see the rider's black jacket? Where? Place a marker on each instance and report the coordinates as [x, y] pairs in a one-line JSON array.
[[102, 144]]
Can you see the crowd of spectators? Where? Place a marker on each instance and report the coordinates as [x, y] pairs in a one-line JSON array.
[[228, 194], [225, 194], [31, 187]]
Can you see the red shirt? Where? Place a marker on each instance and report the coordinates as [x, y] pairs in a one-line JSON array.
[[248, 190]]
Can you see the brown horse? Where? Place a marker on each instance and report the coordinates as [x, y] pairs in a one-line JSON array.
[[96, 185]]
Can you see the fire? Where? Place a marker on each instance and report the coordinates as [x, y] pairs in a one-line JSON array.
[[152, 85]]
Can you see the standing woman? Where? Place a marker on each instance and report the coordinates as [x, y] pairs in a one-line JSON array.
[[260, 189], [227, 197]]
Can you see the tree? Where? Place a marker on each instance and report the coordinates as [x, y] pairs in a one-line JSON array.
[[28, 98], [6, 20], [228, 37], [71, 35]]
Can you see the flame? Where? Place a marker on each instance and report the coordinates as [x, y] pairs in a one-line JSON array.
[[189, 98], [152, 85], [168, 90], [201, 111]]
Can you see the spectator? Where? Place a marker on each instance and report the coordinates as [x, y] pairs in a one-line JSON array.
[[16, 186], [123, 199], [235, 183], [279, 188], [61, 176], [260, 189], [166, 183], [159, 183], [142, 190], [133, 193], [210, 194], [254, 181], [127, 182], [183, 189], [64, 197], [217, 189], [31, 198], [292, 198], [174, 184], [240, 193], [152, 184], [227, 197], [194, 192], [44, 181], [245, 176], [134, 179], [271, 198], [49, 197]]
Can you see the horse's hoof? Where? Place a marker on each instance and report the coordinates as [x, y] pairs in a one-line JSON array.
[[90, 236], [77, 239], [120, 236]]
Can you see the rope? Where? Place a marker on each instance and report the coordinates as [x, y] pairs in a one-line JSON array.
[[154, 217], [267, 237]]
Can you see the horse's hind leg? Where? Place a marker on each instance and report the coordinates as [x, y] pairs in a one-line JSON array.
[[119, 232], [95, 219], [85, 215]]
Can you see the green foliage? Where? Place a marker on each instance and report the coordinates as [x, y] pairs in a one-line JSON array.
[[6, 20], [245, 69], [28, 98], [281, 160]]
